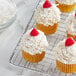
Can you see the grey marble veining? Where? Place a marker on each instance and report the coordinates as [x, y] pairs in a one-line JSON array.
[[10, 37]]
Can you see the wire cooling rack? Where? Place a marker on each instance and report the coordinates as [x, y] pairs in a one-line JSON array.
[[48, 65]]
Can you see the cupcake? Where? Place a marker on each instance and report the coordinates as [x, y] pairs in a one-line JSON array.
[[66, 6], [47, 17], [66, 56], [34, 44], [71, 26]]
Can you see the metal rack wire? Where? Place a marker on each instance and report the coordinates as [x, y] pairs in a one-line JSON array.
[[48, 65]]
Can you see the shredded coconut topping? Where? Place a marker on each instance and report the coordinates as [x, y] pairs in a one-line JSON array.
[[68, 2], [47, 16], [7, 11], [34, 44], [65, 54], [71, 24]]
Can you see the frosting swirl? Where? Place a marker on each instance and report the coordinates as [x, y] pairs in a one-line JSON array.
[[65, 54], [68, 2], [71, 24], [47, 16], [34, 44]]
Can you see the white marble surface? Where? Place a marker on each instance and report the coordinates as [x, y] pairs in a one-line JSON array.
[[10, 37]]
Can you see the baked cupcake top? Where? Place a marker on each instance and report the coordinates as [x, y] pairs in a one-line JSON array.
[[67, 2], [71, 24], [66, 51], [34, 42], [47, 13]]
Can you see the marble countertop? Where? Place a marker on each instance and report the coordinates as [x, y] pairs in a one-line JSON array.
[[10, 37]]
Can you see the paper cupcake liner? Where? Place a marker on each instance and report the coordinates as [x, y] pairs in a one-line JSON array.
[[73, 36], [66, 8], [47, 29], [66, 68], [75, 6], [33, 58]]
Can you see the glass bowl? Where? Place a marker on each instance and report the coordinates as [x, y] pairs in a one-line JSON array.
[[7, 24], [11, 20]]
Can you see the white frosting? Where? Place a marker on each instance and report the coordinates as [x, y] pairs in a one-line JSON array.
[[71, 24], [66, 54], [7, 11], [34, 44], [47, 16], [67, 2]]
